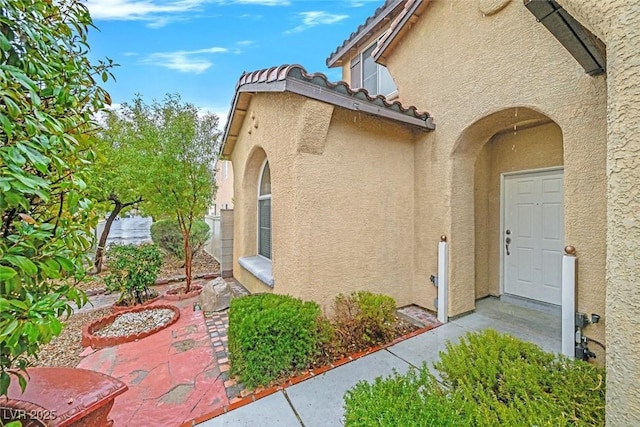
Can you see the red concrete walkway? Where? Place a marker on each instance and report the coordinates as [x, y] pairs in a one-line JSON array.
[[173, 375]]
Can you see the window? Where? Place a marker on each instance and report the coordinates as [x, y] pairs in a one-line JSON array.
[[367, 74], [264, 212]]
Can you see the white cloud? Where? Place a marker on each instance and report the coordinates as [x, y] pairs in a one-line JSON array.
[[185, 61], [360, 3], [157, 12], [245, 43], [315, 18], [257, 2]]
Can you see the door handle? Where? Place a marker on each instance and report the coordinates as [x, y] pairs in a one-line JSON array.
[[508, 241]]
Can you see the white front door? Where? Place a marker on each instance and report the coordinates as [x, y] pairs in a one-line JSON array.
[[533, 235]]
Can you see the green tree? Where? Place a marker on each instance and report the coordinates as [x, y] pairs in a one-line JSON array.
[[116, 187], [48, 97], [176, 149]]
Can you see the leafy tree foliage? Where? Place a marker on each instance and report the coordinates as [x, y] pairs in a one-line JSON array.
[[175, 150], [48, 96], [115, 168]]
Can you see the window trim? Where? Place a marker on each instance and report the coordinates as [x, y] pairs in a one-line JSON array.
[[259, 198]]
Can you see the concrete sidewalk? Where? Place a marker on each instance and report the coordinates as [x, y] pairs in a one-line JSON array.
[[319, 401]]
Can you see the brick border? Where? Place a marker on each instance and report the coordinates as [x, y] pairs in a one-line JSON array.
[[260, 392]]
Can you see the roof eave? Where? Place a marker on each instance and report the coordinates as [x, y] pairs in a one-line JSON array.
[[335, 59], [584, 46], [241, 101], [318, 93], [406, 17]]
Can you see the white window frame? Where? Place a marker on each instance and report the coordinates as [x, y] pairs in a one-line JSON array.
[[357, 64], [263, 197]]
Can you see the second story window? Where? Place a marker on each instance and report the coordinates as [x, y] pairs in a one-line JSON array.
[[367, 74]]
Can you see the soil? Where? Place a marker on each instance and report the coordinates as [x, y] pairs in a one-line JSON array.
[[172, 267], [350, 344]]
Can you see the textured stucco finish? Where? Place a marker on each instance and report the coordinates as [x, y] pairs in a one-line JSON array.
[[502, 61], [478, 78], [617, 23], [342, 199]]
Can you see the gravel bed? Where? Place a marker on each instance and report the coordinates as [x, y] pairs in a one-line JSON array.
[[64, 350], [136, 322]]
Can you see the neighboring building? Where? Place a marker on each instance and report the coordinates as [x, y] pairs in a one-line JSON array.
[[536, 148], [224, 192]]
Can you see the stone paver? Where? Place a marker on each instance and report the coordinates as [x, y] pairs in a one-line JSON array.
[[173, 375]]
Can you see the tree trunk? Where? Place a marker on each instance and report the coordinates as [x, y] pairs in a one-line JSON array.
[[105, 233], [188, 257]]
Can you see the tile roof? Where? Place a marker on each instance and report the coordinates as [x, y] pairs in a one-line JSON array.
[[380, 17], [411, 11], [295, 79]]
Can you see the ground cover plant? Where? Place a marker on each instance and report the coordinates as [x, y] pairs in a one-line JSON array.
[[274, 337], [487, 379]]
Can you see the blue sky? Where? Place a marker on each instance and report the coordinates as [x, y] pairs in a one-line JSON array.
[[199, 48]]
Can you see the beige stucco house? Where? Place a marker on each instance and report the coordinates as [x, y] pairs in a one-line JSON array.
[[500, 126]]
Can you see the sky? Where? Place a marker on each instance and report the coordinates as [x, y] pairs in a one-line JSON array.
[[199, 48]]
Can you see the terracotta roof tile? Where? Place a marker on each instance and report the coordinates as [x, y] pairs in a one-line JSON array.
[[298, 72], [373, 23], [295, 79], [398, 26]]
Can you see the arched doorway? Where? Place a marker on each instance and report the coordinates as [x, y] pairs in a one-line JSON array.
[[507, 204]]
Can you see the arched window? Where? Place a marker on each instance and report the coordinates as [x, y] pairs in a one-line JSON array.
[[264, 212]]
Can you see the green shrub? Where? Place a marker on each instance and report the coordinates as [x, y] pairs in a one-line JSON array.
[[413, 399], [132, 270], [271, 336], [363, 319], [166, 234], [488, 379]]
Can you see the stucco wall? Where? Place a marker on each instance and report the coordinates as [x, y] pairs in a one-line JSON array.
[[475, 73], [342, 199], [617, 23], [510, 151]]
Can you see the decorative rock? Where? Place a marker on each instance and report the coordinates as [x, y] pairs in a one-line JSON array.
[[136, 322], [216, 295]]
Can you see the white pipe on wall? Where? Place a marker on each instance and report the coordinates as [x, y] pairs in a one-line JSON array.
[[443, 280], [569, 301]]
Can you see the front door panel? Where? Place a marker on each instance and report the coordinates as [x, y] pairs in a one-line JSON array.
[[533, 237]]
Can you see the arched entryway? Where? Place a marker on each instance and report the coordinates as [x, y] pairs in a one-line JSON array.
[[507, 205]]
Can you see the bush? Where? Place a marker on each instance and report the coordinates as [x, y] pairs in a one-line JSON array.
[[488, 379], [271, 336], [132, 270], [166, 234], [413, 399], [363, 319]]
